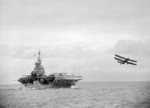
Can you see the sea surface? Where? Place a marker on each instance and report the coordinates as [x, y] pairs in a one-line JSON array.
[[87, 95]]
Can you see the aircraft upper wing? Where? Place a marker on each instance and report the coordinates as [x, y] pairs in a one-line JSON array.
[[118, 59], [120, 56], [131, 63], [132, 60]]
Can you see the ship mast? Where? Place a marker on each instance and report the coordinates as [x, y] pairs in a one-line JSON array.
[[39, 59], [73, 70], [39, 54]]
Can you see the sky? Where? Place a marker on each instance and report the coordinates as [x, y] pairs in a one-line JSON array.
[[80, 34]]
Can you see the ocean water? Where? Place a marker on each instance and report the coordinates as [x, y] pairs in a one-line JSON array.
[[88, 95]]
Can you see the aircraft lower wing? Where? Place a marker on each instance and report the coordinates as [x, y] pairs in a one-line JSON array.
[[132, 60], [131, 63]]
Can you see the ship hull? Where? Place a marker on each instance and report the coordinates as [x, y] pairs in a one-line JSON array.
[[51, 81], [38, 85]]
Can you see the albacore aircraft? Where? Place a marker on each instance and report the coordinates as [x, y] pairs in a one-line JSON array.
[[123, 60]]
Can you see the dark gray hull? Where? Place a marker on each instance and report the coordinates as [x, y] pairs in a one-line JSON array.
[[51, 81]]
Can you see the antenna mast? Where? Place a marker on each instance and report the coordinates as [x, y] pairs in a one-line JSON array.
[[39, 59], [73, 70], [39, 54]]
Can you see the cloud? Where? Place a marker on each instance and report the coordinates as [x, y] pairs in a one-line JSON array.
[[136, 50], [62, 51], [17, 60], [75, 33], [132, 47], [99, 17], [92, 64]]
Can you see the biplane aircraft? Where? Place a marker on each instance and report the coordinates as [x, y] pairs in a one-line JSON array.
[[123, 60]]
